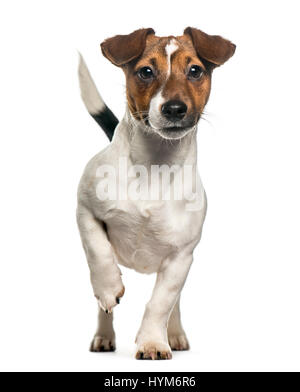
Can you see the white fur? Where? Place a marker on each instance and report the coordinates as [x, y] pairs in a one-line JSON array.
[[104, 339], [154, 110], [89, 93], [148, 236], [170, 49]]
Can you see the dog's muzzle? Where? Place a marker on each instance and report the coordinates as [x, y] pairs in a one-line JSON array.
[[174, 110]]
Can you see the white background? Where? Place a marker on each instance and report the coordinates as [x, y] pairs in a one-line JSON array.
[[241, 300]]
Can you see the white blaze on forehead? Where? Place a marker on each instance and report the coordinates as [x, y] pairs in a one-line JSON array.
[[171, 47], [158, 100]]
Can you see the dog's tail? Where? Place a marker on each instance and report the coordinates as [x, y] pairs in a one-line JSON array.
[[94, 102]]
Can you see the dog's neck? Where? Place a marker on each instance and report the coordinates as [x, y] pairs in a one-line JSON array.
[[148, 148]]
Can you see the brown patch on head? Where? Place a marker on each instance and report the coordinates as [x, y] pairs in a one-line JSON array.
[[149, 70], [139, 91], [179, 86], [173, 81]]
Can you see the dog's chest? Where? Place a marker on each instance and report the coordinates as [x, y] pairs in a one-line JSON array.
[[144, 233]]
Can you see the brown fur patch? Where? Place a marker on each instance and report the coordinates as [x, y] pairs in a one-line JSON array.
[[143, 49], [122, 49], [212, 48], [193, 93]]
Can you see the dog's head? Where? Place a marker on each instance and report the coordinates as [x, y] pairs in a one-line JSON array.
[[168, 79]]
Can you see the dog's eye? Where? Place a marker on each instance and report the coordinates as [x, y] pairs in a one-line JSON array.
[[145, 73], [195, 72]]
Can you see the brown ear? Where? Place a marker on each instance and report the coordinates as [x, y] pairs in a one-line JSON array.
[[212, 48], [122, 49]]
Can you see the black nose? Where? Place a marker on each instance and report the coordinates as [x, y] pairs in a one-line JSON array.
[[174, 110]]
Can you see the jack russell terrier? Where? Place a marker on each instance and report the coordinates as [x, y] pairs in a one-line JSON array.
[[144, 222]]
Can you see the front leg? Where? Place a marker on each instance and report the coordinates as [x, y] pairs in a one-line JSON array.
[[176, 335], [105, 273], [152, 338]]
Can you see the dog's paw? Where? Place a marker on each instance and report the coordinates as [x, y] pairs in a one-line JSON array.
[[110, 298], [178, 342], [109, 293], [153, 350], [102, 344]]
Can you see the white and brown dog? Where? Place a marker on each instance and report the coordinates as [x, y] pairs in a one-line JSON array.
[[168, 83]]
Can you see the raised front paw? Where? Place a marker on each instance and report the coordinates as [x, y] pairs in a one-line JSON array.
[[108, 290], [109, 298], [153, 350]]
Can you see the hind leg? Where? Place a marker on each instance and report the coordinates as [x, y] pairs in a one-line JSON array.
[[104, 339], [176, 335]]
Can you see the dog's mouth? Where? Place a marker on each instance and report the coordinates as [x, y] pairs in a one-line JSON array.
[[183, 126], [168, 129], [173, 131]]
